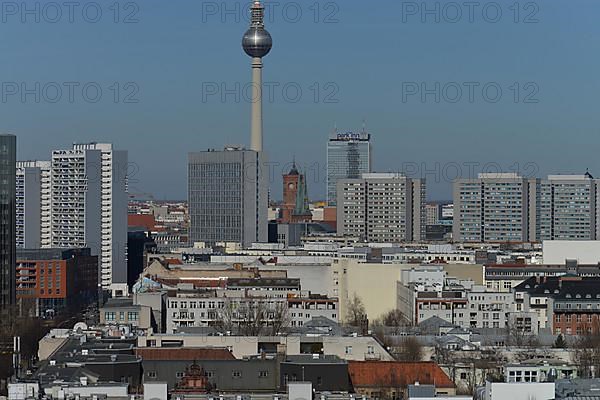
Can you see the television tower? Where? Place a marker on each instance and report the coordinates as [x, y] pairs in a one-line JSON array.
[[257, 43]]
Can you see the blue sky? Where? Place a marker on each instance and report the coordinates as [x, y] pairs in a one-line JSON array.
[[365, 56]]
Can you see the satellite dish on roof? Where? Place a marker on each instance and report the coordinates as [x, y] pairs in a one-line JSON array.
[[80, 326]]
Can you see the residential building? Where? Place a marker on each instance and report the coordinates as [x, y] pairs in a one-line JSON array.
[[533, 371], [89, 206], [567, 304], [8, 162], [113, 178], [227, 193], [494, 208], [53, 281], [382, 208], [348, 157], [568, 208], [433, 213], [347, 347], [34, 204], [124, 312], [391, 379], [509, 208]]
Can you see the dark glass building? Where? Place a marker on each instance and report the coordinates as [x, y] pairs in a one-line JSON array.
[[8, 164]]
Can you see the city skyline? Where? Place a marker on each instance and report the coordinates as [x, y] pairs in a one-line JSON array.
[[404, 133]]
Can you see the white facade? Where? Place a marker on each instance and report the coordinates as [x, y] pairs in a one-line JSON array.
[[557, 252], [519, 391], [203, 309], [34, 208], [89, 205]]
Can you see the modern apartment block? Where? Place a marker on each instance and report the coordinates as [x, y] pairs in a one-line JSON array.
[[568, 208], [50, 281], [382, 208], [227, 193], [8, 151], [89, 205], [510, 208], [494, 208], [348, 157], [34, 204]]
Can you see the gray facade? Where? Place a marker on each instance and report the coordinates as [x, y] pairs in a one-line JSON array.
[[509, 208], [568, 208], [493, 208], [33, 204], [8, 150], [348, 157], [227, 193], [325, 372], [382, 208], [28, 207], [249, 375]]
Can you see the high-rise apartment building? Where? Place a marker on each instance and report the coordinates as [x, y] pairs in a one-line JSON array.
[[568, 208], [348, 157], [34, 204], [509, 208], [227, 193], [8, 249], [493, 208], [89, 205], [433, 213], [382, 208]]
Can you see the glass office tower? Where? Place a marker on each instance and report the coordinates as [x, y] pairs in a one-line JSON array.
[[348, 157]]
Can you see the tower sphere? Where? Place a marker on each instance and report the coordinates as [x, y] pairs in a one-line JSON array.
[[257, 42]]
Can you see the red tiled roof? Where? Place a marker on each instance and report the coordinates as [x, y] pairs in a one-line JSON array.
[[184, 354], [146, 221], [397, 374]]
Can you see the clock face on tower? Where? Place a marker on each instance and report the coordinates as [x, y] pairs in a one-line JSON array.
[[291, 186]]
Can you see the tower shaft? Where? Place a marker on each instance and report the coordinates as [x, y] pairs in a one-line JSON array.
[[256, 142]]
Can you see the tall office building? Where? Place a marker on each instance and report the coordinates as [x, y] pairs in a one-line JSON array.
[[494, 208], [382, 208], [228, 190], [568, 208], [227, 196], [89, 205], [34, 206], [8, 249], [348, 157]]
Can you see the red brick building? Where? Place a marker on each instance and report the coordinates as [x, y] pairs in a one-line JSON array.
[[295, 202], [390, 379], [52, 281]]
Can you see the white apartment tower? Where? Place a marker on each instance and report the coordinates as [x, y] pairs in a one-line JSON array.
[[382, 208], [89, 205], [34, 206]]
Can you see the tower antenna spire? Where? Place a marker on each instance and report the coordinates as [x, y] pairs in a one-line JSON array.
[[257, 43]]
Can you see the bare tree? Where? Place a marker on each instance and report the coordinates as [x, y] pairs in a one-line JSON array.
[[409, 349], [395, 319], [226, 318], [587, 351], [279, 317], [519, 337], [356, 314], [253, 317]]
